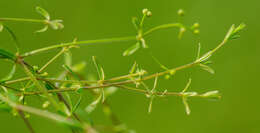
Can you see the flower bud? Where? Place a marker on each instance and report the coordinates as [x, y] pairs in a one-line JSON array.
[[196, 31], [181, 12], [196, 25], [145, 11]]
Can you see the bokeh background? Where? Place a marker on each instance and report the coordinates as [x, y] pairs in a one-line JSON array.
[[237, 64]]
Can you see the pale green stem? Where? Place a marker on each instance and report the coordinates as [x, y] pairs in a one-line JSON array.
[[120, 39], [42, 113], [52, 59], [23, 20]]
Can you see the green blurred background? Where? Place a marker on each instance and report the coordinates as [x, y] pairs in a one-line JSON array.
[[237, 64]]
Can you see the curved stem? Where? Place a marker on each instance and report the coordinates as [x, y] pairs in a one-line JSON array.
[[88, 42]]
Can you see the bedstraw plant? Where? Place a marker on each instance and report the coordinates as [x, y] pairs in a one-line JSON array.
[[63, 94]]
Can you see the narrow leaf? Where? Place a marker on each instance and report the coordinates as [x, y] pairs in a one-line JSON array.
[[186, 105], [132, 49], [75, 107], [91, 107], [110, 91], [43, 12], [133, 68], [68, 58], [229, 33], [15, 39], [56, 24], [10, 75], [45, 28], [187, 86], [150, 105], [144, 43], [7, 55], [207, 68], [135, 23]]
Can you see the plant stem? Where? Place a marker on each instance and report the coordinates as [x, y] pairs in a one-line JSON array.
[[120, 39], [27, 123], [23, 20], [42, 113], [78, 43], [52, 59], [116, 83]]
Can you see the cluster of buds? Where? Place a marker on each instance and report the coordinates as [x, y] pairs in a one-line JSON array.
[[147, 13]]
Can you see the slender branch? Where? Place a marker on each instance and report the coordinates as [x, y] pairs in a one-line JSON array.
[[26, 121], [52, 59], [88, 42], [23, 20], [120, 39], [42, 113]]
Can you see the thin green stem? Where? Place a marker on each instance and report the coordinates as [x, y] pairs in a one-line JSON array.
[[52, 59], [110, 84], [26, 121], [163, 26], [23, 20], [42, 113], [88, 42]]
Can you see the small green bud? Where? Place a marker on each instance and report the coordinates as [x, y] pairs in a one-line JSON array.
[[44, 74], [196, 25], [196, 31], [167, 76], [149, 14], [172, 72], [145, 11], [35, 68], [45, 104], [181, 12]]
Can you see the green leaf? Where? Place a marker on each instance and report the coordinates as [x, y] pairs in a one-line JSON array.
[[150, 104], [205, 57], [144, 43], [16, 42], [207, 68], [49, 86], [10, 75], [187, 86], [110, 91], [45, 28], [186, 105], [56, 24], [68, 58], [99, 69], [43, 12], [1, 27], [132, 49], [212, 94], [233, 32], [92, 106], [159, 63], [135, 23], [7, 55], [72, 72], [75, 107], [79, 67], [133, 68]]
